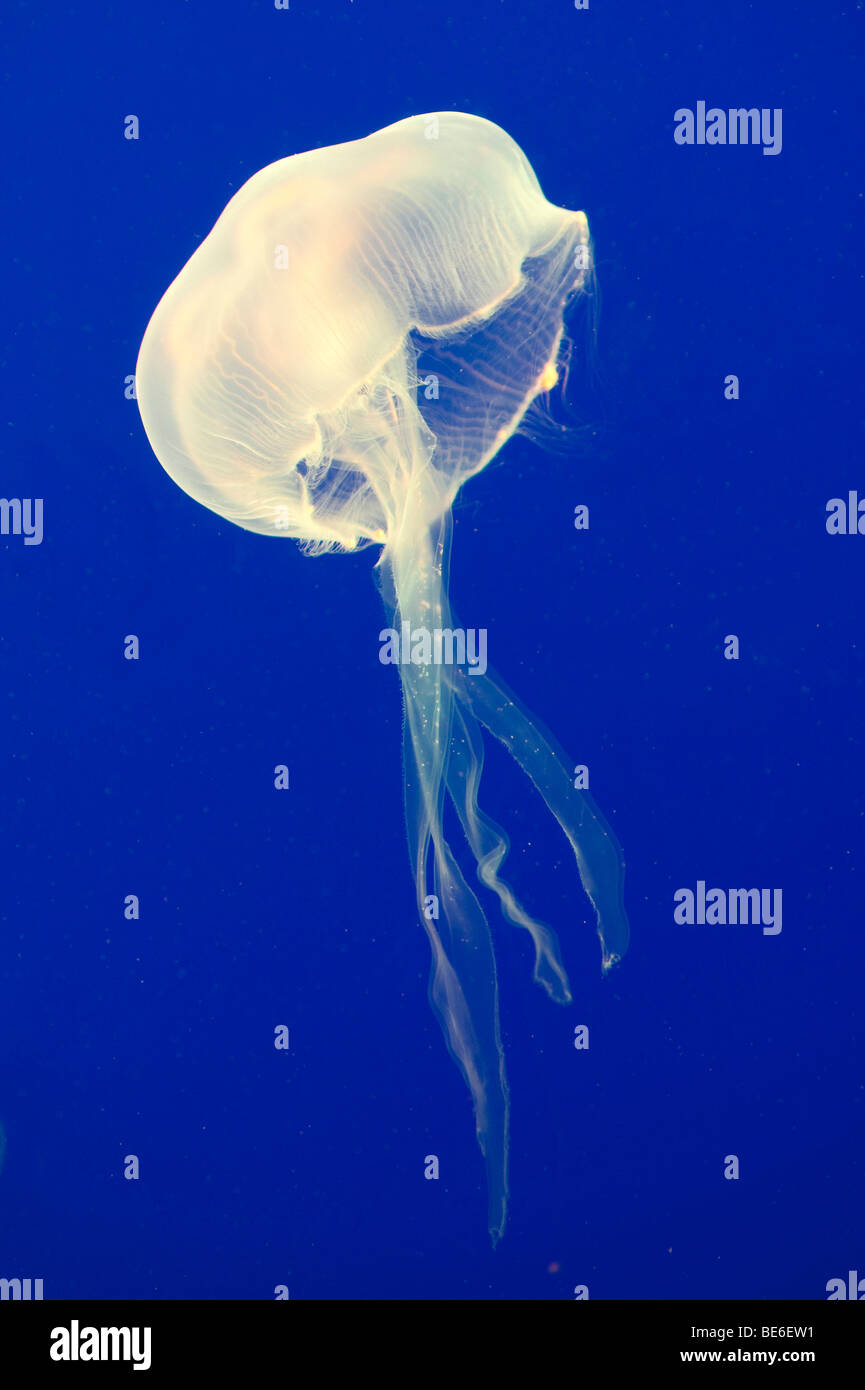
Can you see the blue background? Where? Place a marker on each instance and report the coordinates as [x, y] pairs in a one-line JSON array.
[[257, 909]]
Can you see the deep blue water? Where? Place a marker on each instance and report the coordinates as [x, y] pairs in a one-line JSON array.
[[155, 777]]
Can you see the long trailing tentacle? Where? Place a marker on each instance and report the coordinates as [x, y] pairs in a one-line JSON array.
[[463, 982], [444, 707], [596, 849], [489, 845]]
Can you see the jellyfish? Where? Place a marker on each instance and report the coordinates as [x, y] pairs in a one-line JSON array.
[[361, 332]]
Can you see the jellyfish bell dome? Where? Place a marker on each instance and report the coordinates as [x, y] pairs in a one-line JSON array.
[[361, 331]]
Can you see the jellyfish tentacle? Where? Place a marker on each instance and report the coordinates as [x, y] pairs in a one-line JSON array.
[[489, 844], [463, 988], [597, 851], [463, 992]]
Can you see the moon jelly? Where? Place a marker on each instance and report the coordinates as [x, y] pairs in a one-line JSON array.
[[360, 333]]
